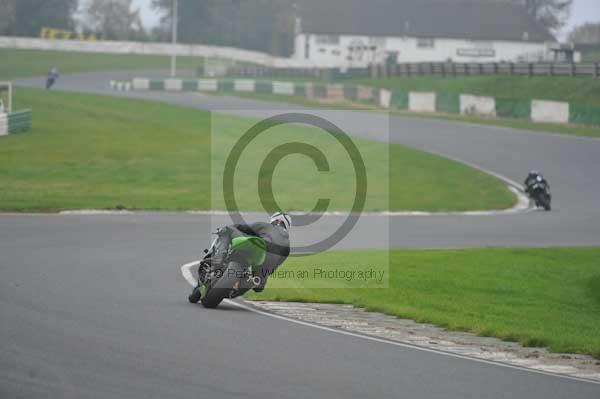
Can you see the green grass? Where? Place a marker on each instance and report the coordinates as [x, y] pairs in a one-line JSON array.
[[88, 151], [577, 90], [538, 297], [576, 130], [26, 63]]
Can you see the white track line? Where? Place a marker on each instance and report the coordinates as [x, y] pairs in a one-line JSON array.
[[188, 276]]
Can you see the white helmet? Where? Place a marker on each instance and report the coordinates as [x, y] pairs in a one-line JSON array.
[[282, 218]]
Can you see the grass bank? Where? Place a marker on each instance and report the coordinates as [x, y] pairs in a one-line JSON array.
[[577, 90], [26, 63], [538, 297], [88, 151], [576, 130]]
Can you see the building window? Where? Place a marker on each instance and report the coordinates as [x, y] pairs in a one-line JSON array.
[[425, 42], [328, 39]]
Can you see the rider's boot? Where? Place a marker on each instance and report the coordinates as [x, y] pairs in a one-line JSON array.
[[196, 294]]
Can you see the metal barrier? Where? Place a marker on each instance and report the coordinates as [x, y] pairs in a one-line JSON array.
[[490, 68], [19, 121]]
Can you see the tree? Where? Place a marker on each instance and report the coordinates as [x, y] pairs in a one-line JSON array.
[[7, 16], [28, 17], [553, 14], [588, 33], [114, 19], [263, 25]]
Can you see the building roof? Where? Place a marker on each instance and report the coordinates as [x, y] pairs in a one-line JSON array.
[[460, 19]]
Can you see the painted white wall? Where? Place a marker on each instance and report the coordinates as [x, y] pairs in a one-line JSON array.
[[477, 105], [3, 124], [123, 47], [377, 49], [549, 111], [421, 101]]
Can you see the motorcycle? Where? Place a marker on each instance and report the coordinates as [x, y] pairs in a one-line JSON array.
[[228, 270], [539, 192], [50, 82]]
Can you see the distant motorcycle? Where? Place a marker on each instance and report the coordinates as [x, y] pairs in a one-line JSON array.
[[538, 190], [50, 82], [227, 270], [52, 77]]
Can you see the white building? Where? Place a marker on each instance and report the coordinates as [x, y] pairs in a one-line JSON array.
[[355, 33]]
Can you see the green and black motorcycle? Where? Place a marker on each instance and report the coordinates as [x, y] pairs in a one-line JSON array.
[[228, 270]]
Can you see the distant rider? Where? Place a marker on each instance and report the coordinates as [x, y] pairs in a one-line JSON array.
[[52, 77], [532, 178], [276, 237]]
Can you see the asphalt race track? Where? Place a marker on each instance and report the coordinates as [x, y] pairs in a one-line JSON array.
[[95, 306]]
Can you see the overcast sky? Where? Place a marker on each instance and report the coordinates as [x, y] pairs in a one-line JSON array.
[[581, 11]]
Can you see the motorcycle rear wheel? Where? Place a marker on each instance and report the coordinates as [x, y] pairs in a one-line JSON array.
[[223, 287]]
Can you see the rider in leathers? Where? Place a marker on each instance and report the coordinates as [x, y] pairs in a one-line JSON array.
[[276, 237]]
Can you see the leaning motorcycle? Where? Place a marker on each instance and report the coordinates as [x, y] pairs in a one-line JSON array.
[[229, 269], [50, 82], [539, 192]]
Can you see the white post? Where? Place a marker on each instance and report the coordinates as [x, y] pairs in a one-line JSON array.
[[174, 24], [9, 97]]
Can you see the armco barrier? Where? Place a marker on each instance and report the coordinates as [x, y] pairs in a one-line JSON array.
[[446, 102], [385, 98], [15, 122], [173, 84], [244, 85], [515, 109], [476, 105], [19, 121], [421, 101], [3, 124], [549, 111], [584, 114], [283, 88], [208, 85]]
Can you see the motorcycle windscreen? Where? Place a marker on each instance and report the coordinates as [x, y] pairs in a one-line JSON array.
[[251, 249]]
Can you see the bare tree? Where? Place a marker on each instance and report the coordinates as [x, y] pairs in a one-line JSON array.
[[114, 19], [7, 16], [553, 14], [588, 33]]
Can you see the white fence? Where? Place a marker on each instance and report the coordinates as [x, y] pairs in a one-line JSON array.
[[124, 47]]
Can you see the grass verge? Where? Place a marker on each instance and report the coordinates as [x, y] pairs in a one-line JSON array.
[[88, 151], [26, 63], [538, 297], [571, 129], [576, 90]]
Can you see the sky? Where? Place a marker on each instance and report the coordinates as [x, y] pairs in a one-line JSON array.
[[582, 11]]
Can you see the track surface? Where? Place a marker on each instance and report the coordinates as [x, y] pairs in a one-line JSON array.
[[92, 306]]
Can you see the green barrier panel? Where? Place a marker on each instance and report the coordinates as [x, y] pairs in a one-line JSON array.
[[584, 114], [448, 103], [263, 86], [351, 93], [19, 121], [320, 91], [516, 109], [300, 89], [225, 85], [399, 99], [189, 85], [157, 85]]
